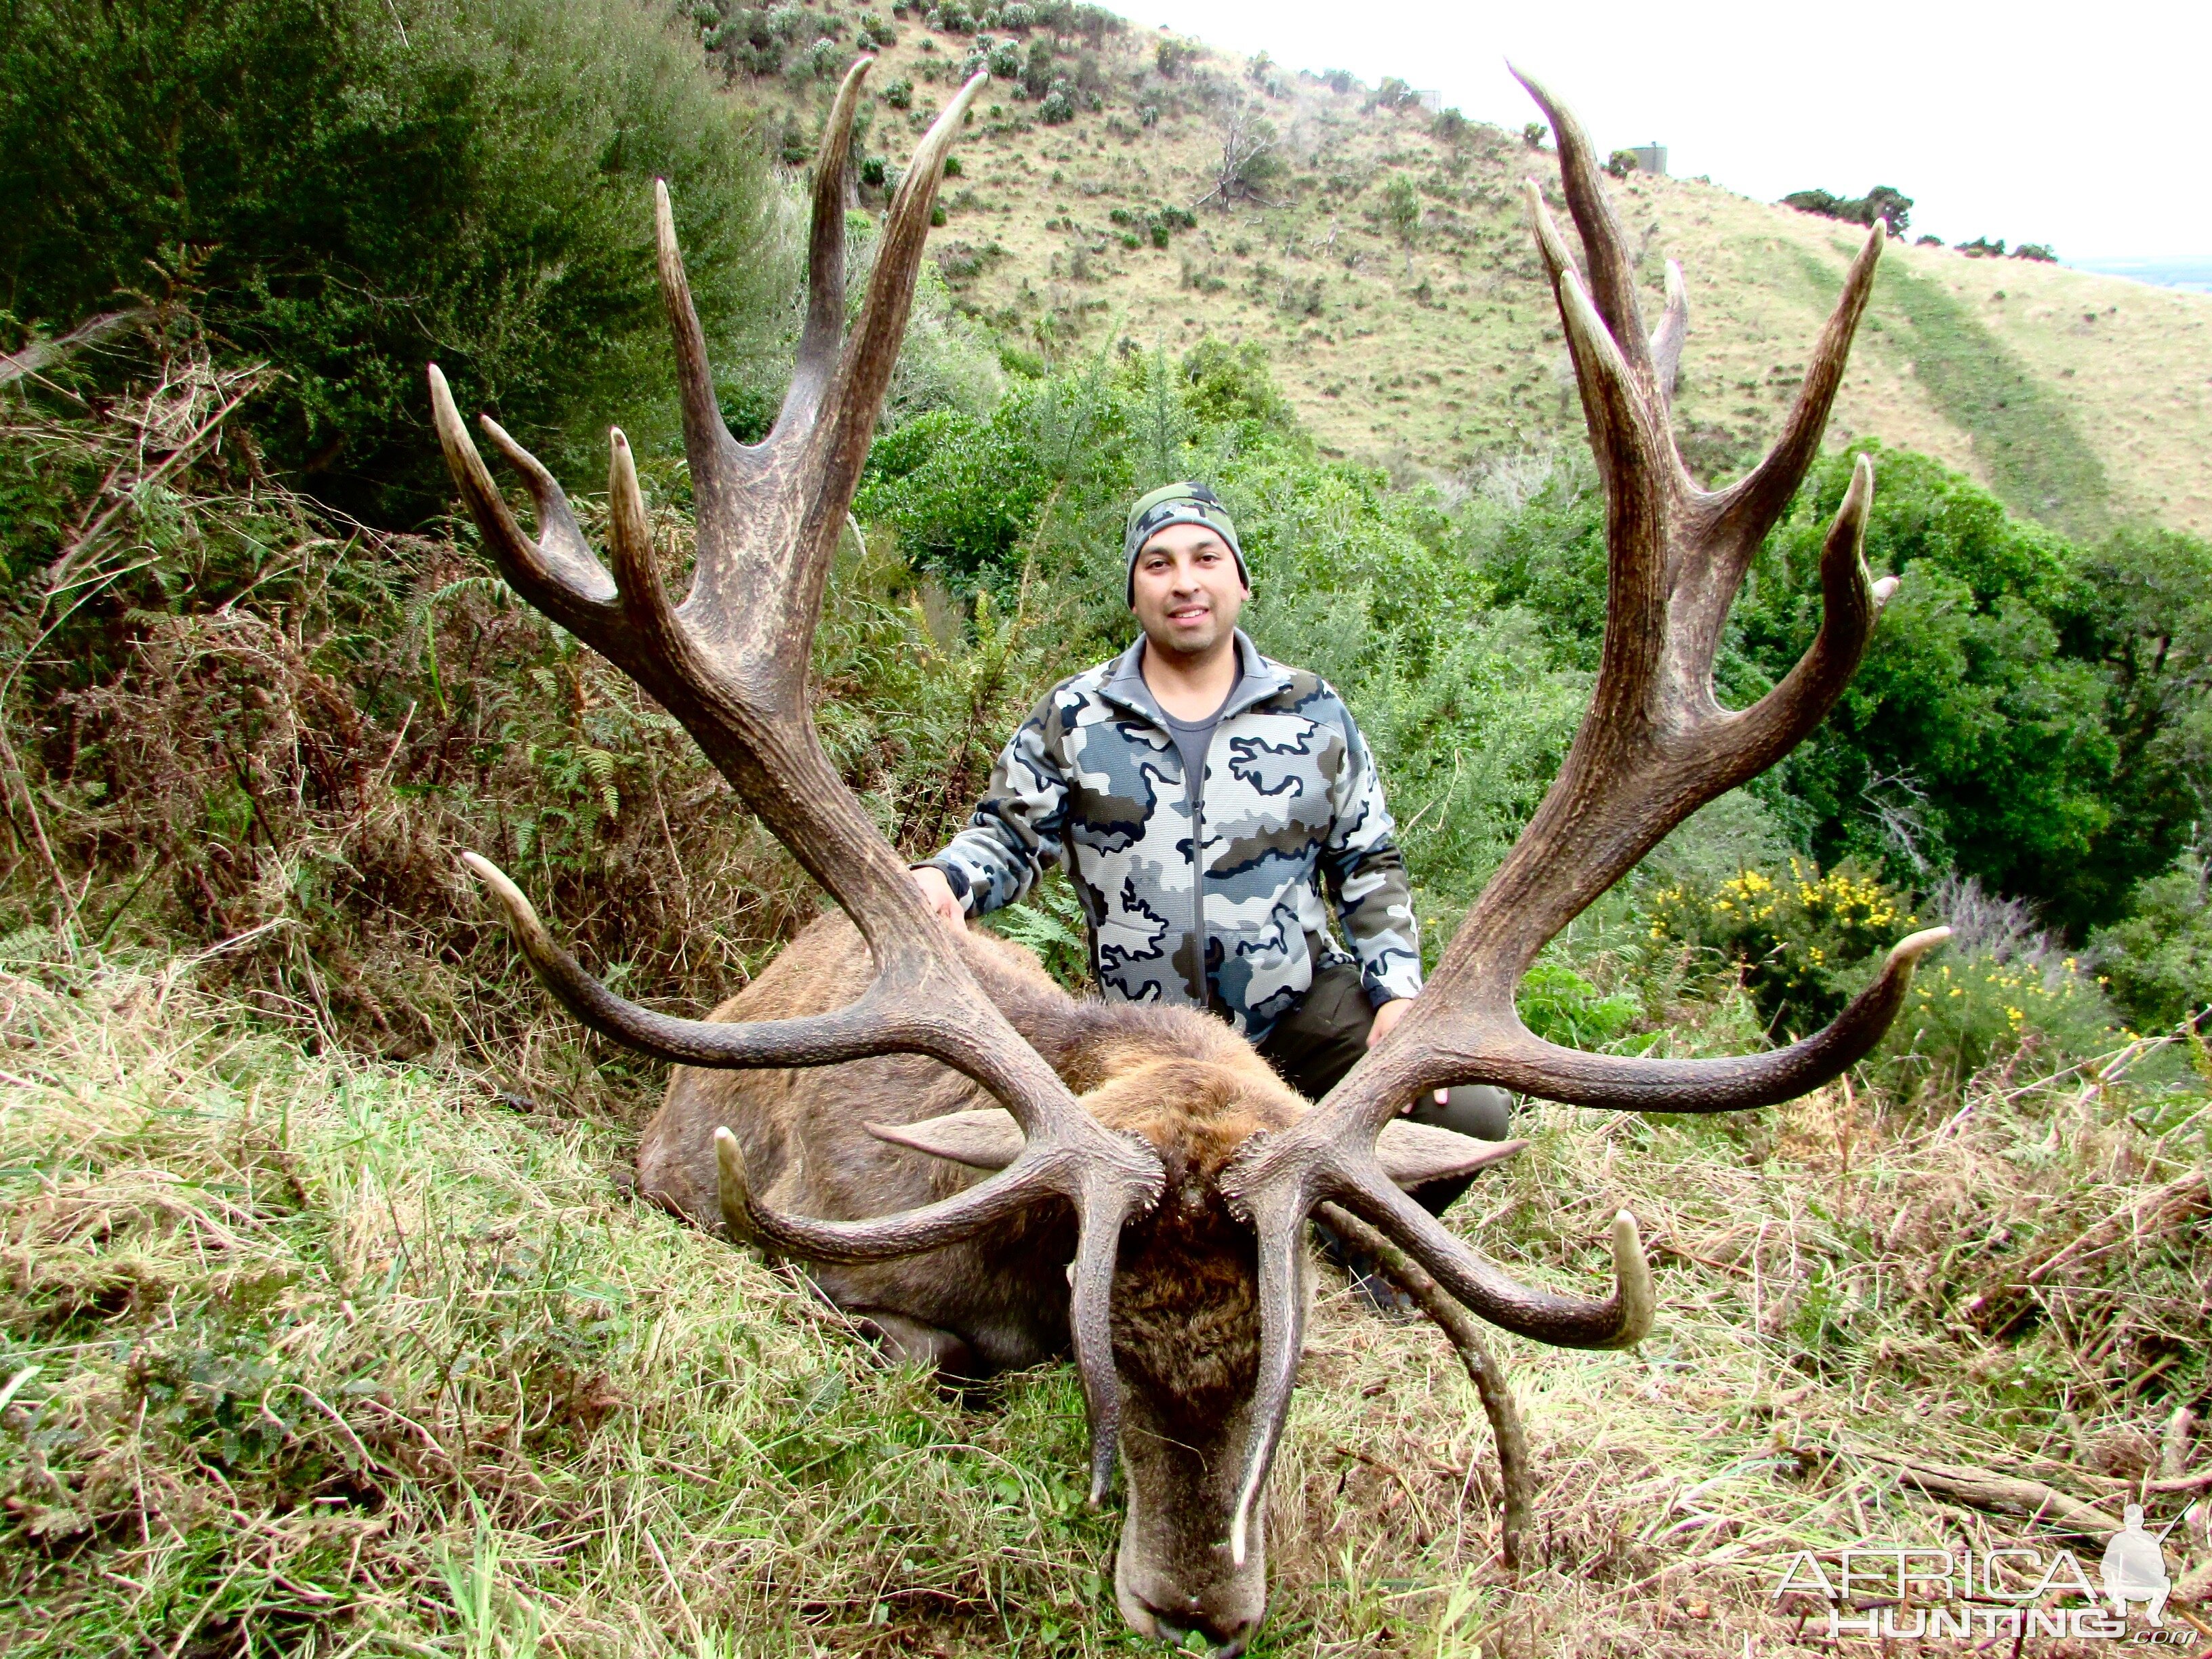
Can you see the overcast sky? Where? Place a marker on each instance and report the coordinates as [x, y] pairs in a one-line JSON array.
[[2087, 127]]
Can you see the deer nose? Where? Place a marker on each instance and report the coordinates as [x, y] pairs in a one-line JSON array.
[[1226, 1635]]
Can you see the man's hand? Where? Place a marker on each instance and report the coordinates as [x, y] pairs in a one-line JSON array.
[[937, 894], [1386, 1019]]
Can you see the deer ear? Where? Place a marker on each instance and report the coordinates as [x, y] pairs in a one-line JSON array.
[[1414, 1154], [988, 1139]]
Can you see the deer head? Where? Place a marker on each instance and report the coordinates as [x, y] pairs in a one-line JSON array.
[[729, 663]]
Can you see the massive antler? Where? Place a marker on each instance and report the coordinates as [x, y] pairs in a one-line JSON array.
[[1655, 746], [731, 663]]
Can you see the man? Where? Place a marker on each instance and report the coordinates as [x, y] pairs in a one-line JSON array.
[[1204, 799]]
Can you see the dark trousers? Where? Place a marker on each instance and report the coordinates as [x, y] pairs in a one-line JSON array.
[[1323, 1038]]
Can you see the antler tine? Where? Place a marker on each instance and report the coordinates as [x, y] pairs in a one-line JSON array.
[[1276, 1213], [872, 354], [1849, 605], [1106, 1207], [557, 572], [1634, 451], [1611, 273], [1745, 512], [709, 448], [1482, 1370], [824, 330], [1276, 1201]]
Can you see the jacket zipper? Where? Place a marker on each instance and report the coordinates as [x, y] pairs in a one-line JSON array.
[[1197, 788]]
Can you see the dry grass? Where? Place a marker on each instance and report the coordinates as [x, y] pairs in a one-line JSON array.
[[335, 1356]]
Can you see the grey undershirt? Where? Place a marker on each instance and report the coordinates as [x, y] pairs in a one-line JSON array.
[[1192, 738]]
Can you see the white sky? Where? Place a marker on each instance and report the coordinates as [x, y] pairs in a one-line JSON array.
[[2088, 127]]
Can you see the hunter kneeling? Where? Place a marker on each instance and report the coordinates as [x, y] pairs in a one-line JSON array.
[[1204, 799]]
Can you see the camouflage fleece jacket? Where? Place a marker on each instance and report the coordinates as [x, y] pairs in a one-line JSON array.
[[1289, 804]]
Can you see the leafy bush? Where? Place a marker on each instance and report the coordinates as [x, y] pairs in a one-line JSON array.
[[2158, 962], [961, 491], [1892, 207], [1969, 1009], [1622, 162], [1797, 940], [1402, 207], [899, 94], [346, 188], [1983, 731], [1058, 108], [1559, 1005]]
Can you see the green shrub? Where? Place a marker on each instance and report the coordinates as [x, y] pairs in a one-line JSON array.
[[960, 491], [1976, 732], [2158, 963], [347, 188], [1892, 206], [1402, 206], [1798, 941], [1559, 1005], [1968, 1010]]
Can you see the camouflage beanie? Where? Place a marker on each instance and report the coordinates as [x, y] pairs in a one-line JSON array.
[[1177, 503]]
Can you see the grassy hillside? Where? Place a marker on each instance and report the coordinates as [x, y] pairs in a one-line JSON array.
[[1417, 331]]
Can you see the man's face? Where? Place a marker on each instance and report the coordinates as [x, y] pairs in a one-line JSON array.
[[1186, 590]]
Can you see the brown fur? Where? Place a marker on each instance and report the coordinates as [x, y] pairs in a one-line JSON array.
[[1185, 1311]]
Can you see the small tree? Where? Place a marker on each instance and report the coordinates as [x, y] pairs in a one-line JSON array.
[[1402, 204], [1621, 163], [1890, 205], [1394, 94], [1533, 134], [1248, 164]]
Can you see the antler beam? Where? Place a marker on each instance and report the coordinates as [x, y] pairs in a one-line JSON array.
[[731, 663]]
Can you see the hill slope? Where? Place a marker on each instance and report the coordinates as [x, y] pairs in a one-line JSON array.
[[1411, 326]]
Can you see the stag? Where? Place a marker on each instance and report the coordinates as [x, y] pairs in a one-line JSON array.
[[989, 1171]]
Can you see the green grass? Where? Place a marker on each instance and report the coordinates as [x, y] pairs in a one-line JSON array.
[[323, 1355], [2027, 442]]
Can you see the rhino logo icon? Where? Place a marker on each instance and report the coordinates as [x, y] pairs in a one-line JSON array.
[[2135, 1569]]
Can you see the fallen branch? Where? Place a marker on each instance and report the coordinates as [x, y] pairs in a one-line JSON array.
[[2148, 1214], [39, 353], [1482, 1369], [1980, 1489], [2167, 1207]]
